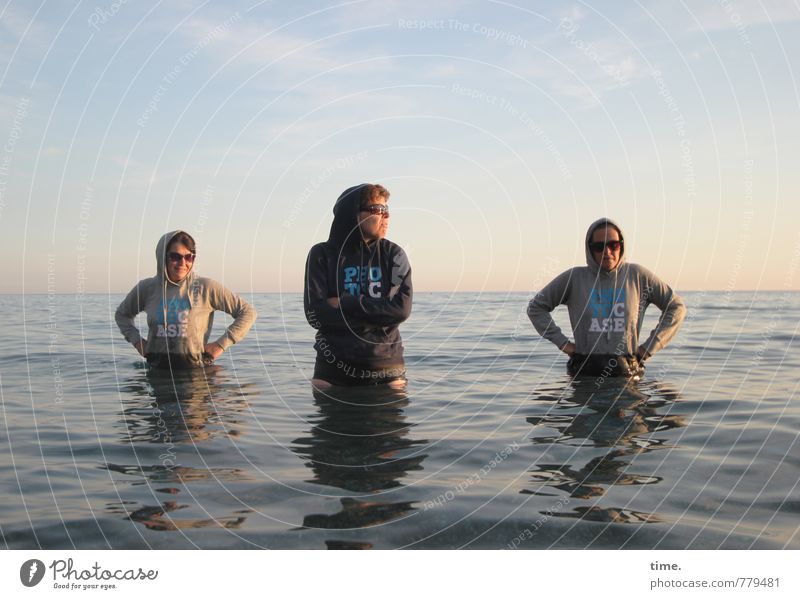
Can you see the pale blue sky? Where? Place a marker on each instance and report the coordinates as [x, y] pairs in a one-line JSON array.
[[501, 129]]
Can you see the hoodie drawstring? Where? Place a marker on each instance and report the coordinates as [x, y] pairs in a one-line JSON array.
[[613, 303]]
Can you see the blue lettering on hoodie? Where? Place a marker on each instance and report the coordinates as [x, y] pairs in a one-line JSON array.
[[177, 313], [357, 279], [608, 310]]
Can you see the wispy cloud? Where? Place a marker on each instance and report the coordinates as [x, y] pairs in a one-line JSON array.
[[18, 25], [19, 32], [262, 43], [391, 11], [50, 151], [579, 64], [732, 14]]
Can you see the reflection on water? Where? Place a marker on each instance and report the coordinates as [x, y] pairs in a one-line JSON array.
[[618, 515], [348, 545], [155, 518], [359, 514], [185, 405], [159, 474], [618, 414], [360, 443], [587, 481], [169, 408], [127, 458]]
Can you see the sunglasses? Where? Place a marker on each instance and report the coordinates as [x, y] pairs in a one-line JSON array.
[[176, 257], [599, 247], [381, 209]]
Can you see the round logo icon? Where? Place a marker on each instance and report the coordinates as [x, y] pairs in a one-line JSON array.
[[31, 572]]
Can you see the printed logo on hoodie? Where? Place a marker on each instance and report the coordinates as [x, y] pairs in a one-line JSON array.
[[608, 310], [357, 279], [177, 312]]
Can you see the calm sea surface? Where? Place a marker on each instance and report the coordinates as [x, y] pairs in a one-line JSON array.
[[492, 445]]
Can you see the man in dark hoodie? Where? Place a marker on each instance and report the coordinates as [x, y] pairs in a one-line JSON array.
[[357, 292], [606, 300]]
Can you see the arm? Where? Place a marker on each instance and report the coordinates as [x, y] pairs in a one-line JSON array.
[[319, 313], [132, 305], [673, 311], [555, 293], [394, 307], [244, 314]]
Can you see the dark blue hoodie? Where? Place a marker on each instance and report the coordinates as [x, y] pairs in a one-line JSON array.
[[373, 283]]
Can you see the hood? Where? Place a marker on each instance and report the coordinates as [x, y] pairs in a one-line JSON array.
[[344, 229], [590, 261], [161, 258]]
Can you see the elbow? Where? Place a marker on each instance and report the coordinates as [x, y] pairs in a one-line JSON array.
[[122, 320], [678, 310], [405, 313], [123, 317], [535, 311], [245, 309], [245, 316], [534, 306]]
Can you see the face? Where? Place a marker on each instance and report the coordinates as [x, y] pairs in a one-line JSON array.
[[177, 270], [373, 226], [608, 258]]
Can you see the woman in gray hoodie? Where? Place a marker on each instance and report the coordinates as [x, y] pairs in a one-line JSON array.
[[180, 310], [606, 300]]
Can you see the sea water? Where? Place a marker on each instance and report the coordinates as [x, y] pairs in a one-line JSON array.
[[490, 446]]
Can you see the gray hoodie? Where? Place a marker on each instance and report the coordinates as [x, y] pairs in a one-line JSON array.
[[180, 315], [606, 308]]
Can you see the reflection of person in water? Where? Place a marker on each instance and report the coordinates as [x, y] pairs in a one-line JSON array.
[[155, 518], [166, 414], [185, 405], [180, 310], [607, 300], [618, 416], [360, 444]]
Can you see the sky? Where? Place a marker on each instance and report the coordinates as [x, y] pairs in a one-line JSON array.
[[501, 129]]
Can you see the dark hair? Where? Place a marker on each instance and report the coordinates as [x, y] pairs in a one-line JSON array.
[[372, 191], [184, 239], [606, 225]]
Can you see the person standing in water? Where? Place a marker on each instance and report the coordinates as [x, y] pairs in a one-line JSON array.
[[357, 292], [606, 300], [180, 310]]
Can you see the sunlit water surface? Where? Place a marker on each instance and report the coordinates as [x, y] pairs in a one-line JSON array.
[[492, 445]]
